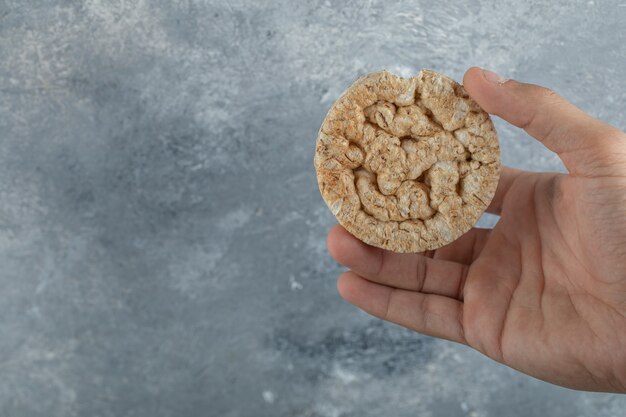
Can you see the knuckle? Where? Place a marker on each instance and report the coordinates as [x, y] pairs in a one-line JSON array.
[[421, 271], [549, 94], [386, 314], [426, 308], [381, 263], [544, 94]]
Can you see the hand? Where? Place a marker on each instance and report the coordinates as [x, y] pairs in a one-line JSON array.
[[544, 291]]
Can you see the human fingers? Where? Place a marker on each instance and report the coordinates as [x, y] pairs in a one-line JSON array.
[[430, 314], [433, 273], [585, 145]]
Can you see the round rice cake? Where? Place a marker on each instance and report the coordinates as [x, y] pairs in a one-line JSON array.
[[407, 164]]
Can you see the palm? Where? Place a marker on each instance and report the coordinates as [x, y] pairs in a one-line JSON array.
[[544, 291], [551, 286]]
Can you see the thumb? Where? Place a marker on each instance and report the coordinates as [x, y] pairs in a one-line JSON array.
[[587, 146]]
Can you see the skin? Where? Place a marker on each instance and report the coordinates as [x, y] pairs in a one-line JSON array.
[[544, 291]]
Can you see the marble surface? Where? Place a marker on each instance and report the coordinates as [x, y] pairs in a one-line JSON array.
[[161, 232]]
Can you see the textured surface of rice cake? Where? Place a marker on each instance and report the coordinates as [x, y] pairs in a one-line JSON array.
[[407, 164]]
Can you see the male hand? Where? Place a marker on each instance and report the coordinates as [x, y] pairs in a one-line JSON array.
[[544, 291]]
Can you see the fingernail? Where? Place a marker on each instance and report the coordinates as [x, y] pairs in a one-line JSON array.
[[493, 78]]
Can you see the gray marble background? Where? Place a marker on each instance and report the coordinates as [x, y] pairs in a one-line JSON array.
[[161, 232]]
